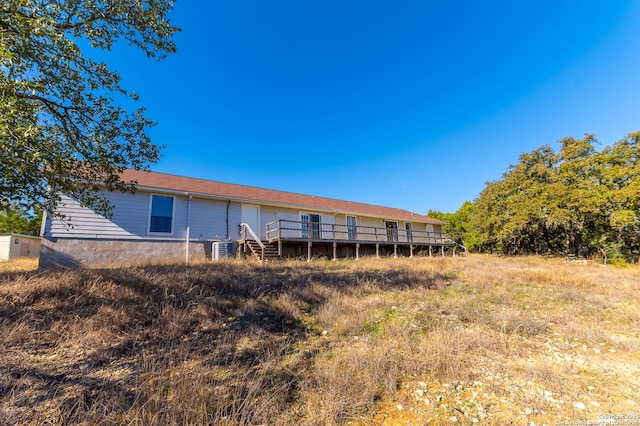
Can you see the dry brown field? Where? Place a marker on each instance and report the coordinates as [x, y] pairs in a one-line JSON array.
[[466, 340]]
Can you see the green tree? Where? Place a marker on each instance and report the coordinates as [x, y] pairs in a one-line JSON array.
[[621, 212], [16, 219], [458, 225], [578, 200], [576, 192], [61, 119]]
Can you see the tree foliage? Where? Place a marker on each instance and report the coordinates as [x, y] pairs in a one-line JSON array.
[[458, 225], [577, 200], [17, 219], [61, 119]]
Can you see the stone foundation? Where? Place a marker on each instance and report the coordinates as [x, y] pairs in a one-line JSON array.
[[78, 253]]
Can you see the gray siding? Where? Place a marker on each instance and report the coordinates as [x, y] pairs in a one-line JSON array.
[[130, 220], [210, 220]]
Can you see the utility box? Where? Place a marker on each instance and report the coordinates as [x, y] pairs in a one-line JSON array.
[[221, 250]]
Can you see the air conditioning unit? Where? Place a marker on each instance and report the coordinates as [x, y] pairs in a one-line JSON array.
[[221, 250]]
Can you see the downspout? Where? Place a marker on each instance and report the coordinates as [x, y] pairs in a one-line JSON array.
[[188, 229], [43, 224], [228, 204]]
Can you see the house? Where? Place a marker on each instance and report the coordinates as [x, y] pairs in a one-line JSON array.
[[219, 219], [17, 245]]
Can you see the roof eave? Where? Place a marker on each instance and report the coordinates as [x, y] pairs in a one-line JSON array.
[[286, 205]]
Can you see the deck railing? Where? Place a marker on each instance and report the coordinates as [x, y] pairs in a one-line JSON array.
[[292, 230], [246, 229]]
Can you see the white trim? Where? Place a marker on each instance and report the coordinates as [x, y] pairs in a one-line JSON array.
[[173, 215], [408, 230], [310, 233], [309, 213], [13, 234], [396, 234]]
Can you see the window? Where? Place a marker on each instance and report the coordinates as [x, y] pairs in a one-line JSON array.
[[409, 228], [310, 225], [304, 218], [392, 231], [161, 219], [352, 228]]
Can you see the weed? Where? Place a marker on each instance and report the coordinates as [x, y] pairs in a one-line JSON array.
[[498, 340]]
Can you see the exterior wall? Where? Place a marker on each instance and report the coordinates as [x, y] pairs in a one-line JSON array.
[[235, 218], [76, 253], [375, 223], [272, 213], [130, 220], [13, 246], [209, 220], [5, 247], [27, 246], [84, 238], [433, 229]]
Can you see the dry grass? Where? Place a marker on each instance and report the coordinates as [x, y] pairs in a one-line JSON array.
[[376, 341], [20, 264]]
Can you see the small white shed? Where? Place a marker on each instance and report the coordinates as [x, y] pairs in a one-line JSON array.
[[18, 245]]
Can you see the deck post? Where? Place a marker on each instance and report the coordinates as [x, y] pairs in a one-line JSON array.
[[410, 250], [430, 250], [280, 247], [377, 249], [357, 251], [442, 250], [309, 244], [395, 251], [335, 250]]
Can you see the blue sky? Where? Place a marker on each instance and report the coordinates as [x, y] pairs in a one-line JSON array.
[[410, 104]]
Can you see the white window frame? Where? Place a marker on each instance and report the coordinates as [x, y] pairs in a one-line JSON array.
[[173, 215], [306, 229], [408, 228], [392, 237]]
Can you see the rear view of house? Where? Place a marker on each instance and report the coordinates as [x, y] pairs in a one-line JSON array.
[[173, 218]]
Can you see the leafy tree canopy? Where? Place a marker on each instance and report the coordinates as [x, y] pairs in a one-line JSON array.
[[16, 219], [577, 200], [458, 226], [60, 121]]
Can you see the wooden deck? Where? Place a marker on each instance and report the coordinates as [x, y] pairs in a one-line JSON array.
[[316, 239]]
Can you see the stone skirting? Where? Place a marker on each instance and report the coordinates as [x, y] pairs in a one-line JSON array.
[[83, 253]]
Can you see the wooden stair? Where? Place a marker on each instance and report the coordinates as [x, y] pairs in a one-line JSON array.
[[270, 251]]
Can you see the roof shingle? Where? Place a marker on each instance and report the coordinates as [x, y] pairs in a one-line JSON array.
[[213, 189]]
